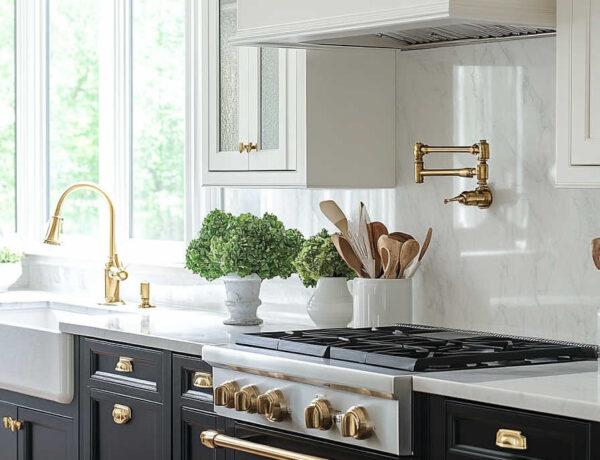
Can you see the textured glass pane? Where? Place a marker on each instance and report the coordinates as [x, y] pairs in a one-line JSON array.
[[158, 119], [228, 72], [269, 98], [74, 109], [7, 117]]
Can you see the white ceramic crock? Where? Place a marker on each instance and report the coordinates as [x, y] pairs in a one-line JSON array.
[[242, 299], [381, 302], [331, 303], [9, 274]]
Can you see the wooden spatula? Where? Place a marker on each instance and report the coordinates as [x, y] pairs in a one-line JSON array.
[[335, 215], [347, 254], [389, 251], [409, 251], [596, 252], [400, 236], [376, 229], [425, 243]]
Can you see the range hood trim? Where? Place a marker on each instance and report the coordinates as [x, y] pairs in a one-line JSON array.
[[413, 15]]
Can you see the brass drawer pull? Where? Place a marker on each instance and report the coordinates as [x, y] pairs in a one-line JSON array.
[[10, 424], [213, 439], [125, 365], [121, 414], [511, 439], [202, 380]]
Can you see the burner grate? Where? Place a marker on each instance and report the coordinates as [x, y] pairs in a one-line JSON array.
[[419, 348]]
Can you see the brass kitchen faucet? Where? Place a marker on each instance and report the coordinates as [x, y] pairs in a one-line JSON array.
[[114, 272], [482, 195]]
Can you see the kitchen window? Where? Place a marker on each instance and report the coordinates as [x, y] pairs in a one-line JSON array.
[[7, 117], [107, 98]]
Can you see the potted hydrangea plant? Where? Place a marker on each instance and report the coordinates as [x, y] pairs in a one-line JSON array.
[[10, 268], [243, 250], [319, 264]]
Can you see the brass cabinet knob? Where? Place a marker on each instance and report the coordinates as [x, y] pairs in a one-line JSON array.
[[124, 365], [356, 423], [247, 147], [272, 406], [202, 380], [11, 424], [245, 399], [121, 414], [511, 439], [318, 415], [224, 394]]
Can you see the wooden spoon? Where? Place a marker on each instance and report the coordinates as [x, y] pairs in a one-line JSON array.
[[376, 229], [335, 215], [400, 236], [426, 244], [347, 254], [409, 251], [596, 252], [389, 251]]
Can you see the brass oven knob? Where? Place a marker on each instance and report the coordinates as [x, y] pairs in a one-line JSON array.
[[224, 394], [356, 423], [245, 399], [272, 405], [318, 415]]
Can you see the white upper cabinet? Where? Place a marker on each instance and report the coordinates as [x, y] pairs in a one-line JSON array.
[[292, 118], [402, 24], [578, 93]]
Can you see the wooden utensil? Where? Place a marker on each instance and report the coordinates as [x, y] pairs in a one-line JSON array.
[[362, 245], [335, 215], [411, 269], [409, 251], [596, 252], [426, 244], [389, 251], [400, 236], [347, 254], [376, 229]]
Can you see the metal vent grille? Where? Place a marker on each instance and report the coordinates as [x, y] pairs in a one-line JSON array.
[[448, 35]]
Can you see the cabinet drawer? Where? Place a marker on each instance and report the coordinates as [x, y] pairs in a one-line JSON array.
[[192, 378], [472, 431], [118, 364]]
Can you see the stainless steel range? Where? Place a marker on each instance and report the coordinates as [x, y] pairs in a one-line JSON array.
[[354, 386]]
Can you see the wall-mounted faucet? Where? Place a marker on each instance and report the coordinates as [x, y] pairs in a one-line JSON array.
[[114, 272], [482, 195]]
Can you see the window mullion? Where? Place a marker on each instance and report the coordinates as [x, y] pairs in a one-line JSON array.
[[32, 117], [115, 108]]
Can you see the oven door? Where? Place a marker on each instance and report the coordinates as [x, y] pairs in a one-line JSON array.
[[249, 442]]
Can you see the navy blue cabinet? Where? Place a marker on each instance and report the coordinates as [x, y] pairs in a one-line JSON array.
[[8, 438]]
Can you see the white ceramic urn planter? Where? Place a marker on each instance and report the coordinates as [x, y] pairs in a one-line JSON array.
[[331, 303], [9, 274], [242, 299]]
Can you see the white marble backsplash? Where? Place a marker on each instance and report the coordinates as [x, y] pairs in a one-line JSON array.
[[521, 267]]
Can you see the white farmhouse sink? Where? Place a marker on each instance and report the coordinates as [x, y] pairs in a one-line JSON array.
[[36, 358]]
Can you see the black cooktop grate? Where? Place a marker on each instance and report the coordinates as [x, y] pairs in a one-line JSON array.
[[419, 348]]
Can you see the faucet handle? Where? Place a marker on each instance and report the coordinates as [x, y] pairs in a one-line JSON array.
[[459, 199], [118, 273]]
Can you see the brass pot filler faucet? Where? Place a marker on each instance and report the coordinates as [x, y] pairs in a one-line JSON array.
[[114, 272], [482, 195]]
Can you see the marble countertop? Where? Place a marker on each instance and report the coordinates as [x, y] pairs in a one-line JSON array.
[[182, 330], [567, 389]]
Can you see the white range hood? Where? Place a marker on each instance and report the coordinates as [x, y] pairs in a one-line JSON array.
[[401, 24]]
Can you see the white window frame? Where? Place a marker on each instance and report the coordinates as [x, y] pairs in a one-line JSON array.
[[115, 157]]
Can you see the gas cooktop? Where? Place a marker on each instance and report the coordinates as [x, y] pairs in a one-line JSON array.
[[419, 348]]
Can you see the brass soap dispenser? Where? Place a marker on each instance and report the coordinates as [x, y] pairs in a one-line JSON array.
[[482, 195]]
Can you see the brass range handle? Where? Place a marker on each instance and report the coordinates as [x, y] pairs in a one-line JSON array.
[[11, 424], [511, 439], [121, 414], [213, 439], [124, 365]]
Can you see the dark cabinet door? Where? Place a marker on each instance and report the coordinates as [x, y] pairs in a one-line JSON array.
[[8, 439], [44, 436], [186, 438], [118, 427]]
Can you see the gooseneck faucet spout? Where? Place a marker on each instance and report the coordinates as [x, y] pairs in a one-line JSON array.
[[114, 272]]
